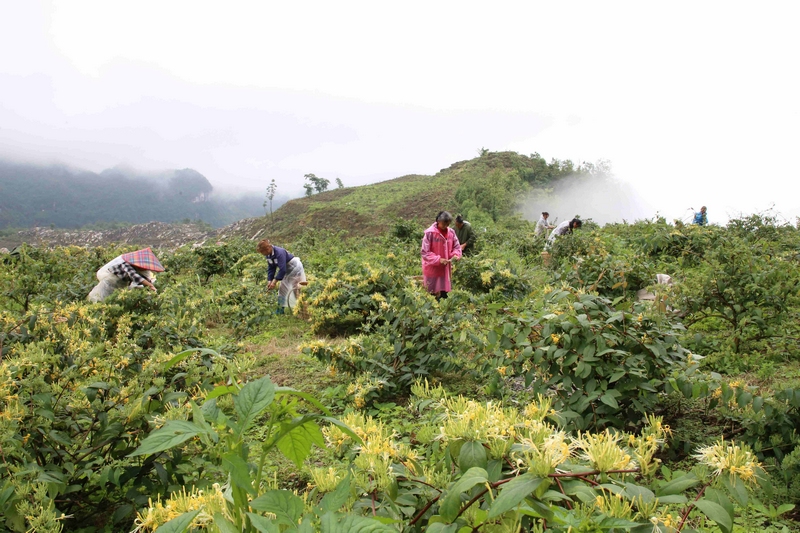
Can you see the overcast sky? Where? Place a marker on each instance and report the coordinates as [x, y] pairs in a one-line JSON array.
[[693, 102]]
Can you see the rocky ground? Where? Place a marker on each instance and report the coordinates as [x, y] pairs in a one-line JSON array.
[[155, 234]]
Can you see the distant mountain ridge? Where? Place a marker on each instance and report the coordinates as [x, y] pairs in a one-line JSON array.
[[33, 195]]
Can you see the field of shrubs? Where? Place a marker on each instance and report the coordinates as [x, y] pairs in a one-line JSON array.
[[540, 396]]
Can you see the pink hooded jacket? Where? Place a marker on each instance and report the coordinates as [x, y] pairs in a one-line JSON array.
[[435, 246]]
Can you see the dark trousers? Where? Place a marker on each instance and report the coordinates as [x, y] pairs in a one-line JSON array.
[[440, 295]]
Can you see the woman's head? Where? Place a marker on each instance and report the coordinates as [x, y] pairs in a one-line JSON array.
[[575, 223], [264, 247], [545, 214], [443, 219]]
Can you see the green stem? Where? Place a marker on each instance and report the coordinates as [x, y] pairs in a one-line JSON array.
[[690, 507], [264, 451]]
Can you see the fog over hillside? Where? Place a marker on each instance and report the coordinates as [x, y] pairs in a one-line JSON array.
[[66, 197], [603, 199]]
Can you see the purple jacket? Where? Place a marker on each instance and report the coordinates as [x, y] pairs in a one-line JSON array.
[[277, 261]]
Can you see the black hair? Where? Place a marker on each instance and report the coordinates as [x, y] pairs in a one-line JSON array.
[[459, 219], [444, 216], [545, 213], [575, 223]]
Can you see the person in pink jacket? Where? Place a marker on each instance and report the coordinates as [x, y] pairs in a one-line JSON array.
[[440, 247]]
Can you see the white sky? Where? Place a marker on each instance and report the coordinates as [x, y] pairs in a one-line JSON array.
[[693, 102]]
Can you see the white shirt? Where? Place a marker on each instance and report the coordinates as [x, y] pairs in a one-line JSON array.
[[561, 229], [541, 226]]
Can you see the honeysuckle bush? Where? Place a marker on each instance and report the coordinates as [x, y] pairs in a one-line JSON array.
[[488, 273], [342, 303], [30, 273], [249, 501], [409, 336], [768, 422], [76, 395], [606, 265], [481, 465], [603, 362], [466, 465]]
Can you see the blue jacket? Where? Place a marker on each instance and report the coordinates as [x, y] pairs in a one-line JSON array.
[[277, 261], [700, 218]]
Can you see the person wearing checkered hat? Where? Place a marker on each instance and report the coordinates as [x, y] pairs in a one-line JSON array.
[[134, 269]]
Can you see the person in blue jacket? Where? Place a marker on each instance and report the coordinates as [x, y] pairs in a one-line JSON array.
[[701, 218], [284, 268]]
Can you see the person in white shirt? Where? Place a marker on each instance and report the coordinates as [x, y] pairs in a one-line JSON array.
[[542, 226], [563, 229]]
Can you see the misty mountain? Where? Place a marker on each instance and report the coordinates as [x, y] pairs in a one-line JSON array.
[[56, 195]]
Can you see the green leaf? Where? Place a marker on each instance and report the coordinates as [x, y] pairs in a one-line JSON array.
[[333, 501], [758, 402], [263, 525], [717, 513], [784, 508], [610, 522], [678, 485], [344, 427], [286, 507], [633, 491], [735, 488], [673, 498], [179, 524], [472, 454], [609, 400], [351, 523], [254, 397], [224, 525], [494, 467], [451, 504], [513, 493], [280, 391], [186, 353], [438, 527], [173, 433], [239, 470], [222, 390], [744, 399], [296, 439]]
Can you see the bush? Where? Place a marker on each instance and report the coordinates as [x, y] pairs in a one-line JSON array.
[[76, 398], [407, 231], [353, 291], [410, 337], [603, 363]]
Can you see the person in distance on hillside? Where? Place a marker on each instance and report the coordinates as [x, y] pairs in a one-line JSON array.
[[283, 267], [135, 269], [564, 228], [701, 217], [542, 225], [440, 247], [466, 235]]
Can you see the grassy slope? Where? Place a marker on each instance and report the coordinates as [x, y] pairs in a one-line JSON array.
[[369, 209]]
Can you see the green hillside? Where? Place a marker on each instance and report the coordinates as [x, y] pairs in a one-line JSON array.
[[484, 189]]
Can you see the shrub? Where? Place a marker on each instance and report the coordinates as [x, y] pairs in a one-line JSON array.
[[603, 363], [76, 397], [353, 291], [410, 337]]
